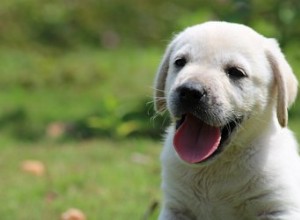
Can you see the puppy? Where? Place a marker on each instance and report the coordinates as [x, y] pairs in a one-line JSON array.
[[228, 154]]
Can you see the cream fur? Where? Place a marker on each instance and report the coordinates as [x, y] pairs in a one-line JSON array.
[[257, 177]]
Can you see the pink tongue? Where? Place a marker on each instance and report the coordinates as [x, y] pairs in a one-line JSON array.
[[195, 141]]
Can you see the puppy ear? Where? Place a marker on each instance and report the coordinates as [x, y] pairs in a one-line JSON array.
[[285, 81], [160, 81]]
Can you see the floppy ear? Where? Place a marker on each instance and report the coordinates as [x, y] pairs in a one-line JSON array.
[[285, 81], [160, 81]]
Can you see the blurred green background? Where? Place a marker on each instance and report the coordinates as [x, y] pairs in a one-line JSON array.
[[75, 94]]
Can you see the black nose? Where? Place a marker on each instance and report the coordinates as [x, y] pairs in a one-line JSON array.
[[190, 94]]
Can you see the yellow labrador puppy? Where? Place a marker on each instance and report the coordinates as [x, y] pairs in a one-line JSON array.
[[228, 154]]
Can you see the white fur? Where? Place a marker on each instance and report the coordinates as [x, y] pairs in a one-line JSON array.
[[257, 177]]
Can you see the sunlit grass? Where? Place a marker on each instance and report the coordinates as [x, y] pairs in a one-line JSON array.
[[104, 179]]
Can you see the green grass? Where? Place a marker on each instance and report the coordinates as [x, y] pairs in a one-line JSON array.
[[105, 179], [102, 178], [66, 85], [38, 87]]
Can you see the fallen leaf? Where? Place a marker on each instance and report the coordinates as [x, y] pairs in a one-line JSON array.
[[73, 214], [33, 167]]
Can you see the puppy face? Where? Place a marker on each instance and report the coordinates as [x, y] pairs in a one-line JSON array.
[[216, 77]]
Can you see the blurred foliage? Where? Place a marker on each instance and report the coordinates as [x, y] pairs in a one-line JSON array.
[[107, 23], [115, 122], [109, 121], [53, 79], [73, 95]]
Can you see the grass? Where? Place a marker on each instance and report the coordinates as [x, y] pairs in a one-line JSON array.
[[105, 179], [66, 85], [39, 87]]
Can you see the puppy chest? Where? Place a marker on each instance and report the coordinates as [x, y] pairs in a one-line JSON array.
[[216, 210], [218, 198]]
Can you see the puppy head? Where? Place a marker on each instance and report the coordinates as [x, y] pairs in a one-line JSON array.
[[213, 77]]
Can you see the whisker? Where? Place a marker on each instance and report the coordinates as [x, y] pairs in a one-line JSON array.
[[159, 90], [150, 102]]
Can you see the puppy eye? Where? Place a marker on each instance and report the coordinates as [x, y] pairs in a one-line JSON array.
[[180, 62], [235, 72]]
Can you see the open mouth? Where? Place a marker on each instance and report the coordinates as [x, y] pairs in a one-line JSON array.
[[195, 141]]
